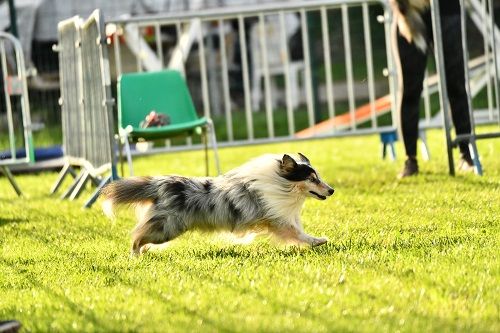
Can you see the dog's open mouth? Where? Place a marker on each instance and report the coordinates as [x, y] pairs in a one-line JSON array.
[[321, 197]]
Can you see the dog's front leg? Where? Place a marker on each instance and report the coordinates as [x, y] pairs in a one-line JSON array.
[[311, 240], [292, 232]]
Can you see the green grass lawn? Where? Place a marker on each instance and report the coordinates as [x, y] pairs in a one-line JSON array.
[[416, 255]]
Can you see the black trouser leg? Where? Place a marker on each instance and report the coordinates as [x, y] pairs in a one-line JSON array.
[[455, 76], [413, 63]]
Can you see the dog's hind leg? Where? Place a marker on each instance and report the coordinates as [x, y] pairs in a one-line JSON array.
[[150, 247], [295, 235], [157, 230]]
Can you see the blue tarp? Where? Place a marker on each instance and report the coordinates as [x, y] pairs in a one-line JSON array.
[[41, 154]]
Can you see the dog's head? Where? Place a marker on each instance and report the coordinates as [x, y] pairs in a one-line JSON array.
[[306, 178]]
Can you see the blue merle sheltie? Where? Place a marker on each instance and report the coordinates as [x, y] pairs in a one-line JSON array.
[[264, 195]]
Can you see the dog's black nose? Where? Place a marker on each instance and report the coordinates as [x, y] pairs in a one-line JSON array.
[[330, 191]]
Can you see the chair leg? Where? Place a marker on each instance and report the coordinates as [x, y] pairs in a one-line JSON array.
[[393, 151], [384, 150], [120, 155], [213, 139], [205, 142], [129, 155]]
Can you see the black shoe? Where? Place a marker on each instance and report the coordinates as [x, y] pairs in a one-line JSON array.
[[410, 169], [9, 326], [465, 163]]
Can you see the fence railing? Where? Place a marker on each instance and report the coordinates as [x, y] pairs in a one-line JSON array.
[[488, 30], [14, 102], [15, 98], [483, 67], [86, 103], [243, 63]]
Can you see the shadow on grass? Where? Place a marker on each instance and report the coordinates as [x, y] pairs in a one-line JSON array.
[[482, 182], [283, 307], [399, 244], [88, 314], [111, 275], [429, 178], [241, 252], [236, 252], [5, 221], [333, 247], [79, 309], [152, 294]]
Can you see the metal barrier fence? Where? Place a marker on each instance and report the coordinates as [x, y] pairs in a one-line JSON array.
[[483, 67], [340, 80], [336, 78], [86, 104], [15, 98], [491, 79]]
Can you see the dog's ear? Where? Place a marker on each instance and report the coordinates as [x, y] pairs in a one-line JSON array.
[[304, 159], [288, 163]]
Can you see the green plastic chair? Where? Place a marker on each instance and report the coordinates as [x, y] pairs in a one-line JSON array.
[[164, 92]]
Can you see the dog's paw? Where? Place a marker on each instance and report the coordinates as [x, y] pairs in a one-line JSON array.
[[318, 241], [145, 248]]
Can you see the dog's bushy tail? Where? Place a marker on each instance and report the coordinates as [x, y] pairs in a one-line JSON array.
[[128, 191]]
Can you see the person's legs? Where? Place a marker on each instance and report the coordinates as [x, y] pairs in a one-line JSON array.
[[412, 68], [455, 77]]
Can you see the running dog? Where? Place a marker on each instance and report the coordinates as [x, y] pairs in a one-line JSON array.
[[264, 195], [410, 22]]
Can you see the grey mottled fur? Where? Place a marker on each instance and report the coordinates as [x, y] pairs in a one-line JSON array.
[[254, 197]]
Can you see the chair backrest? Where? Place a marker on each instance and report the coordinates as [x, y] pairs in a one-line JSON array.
[[163, 91]]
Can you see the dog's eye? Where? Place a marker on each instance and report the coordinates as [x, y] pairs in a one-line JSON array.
[[314, 180]]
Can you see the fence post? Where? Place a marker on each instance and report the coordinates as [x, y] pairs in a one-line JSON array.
[[443, 89], [13, 19], [14, 86], [312, 30], [83, 55]]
